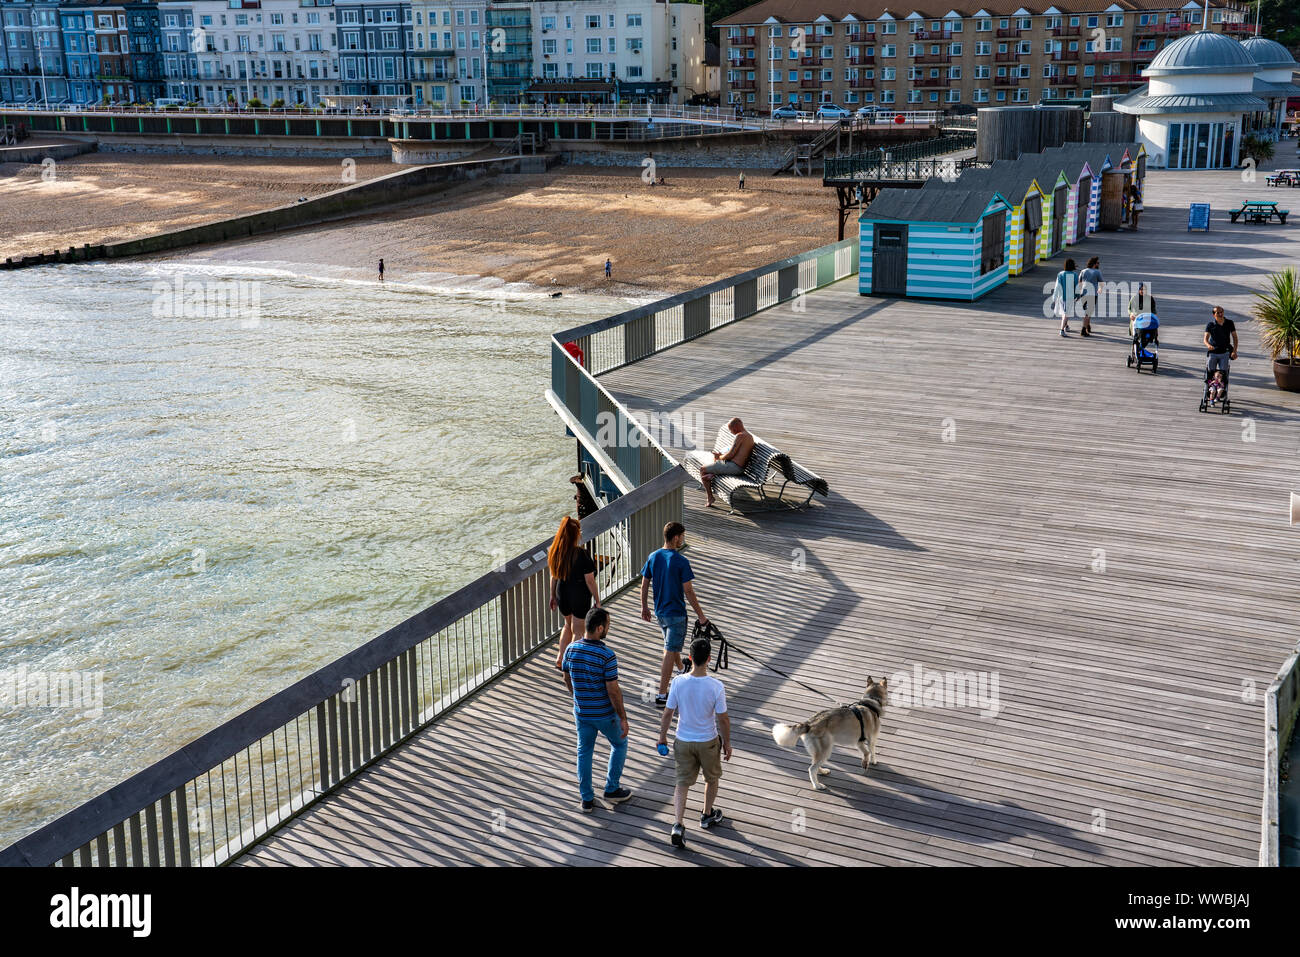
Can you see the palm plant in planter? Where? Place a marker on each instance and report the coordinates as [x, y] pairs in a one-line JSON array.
[[1278, 313]]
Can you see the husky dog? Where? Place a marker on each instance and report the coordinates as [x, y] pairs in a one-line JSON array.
[[849, 724]]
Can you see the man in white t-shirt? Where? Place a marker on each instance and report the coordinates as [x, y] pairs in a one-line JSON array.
[[700, 702]]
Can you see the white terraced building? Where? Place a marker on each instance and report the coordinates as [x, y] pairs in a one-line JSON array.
[[272, 50], [654, 50]]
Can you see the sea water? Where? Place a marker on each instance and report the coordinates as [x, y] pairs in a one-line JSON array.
[[215, 479]]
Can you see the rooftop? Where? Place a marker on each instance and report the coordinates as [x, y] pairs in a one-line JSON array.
[[1109, 552], [1201, 52], [807, 11]]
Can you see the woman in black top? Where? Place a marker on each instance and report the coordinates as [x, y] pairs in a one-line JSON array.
[[573, 582]]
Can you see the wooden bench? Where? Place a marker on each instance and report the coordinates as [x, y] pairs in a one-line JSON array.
[[764, 483], [1256, 212]]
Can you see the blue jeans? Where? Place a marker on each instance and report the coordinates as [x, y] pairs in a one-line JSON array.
[[612, 729]]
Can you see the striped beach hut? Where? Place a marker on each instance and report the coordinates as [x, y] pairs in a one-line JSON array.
[[1049, 173], [1099, 161], [1020, 189], [941, 244], [1077, 164]]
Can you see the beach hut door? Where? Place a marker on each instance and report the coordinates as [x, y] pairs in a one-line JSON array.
[[1033, 223], [889, 260], [1061, 198], [1081, 209]]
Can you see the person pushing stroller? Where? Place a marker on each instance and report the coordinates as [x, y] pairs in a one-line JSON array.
[[1220, 340]]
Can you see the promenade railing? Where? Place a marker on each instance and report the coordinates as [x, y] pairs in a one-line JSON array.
[[203, 804]]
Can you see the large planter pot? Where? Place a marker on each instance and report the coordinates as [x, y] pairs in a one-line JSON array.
[[1287, 374]]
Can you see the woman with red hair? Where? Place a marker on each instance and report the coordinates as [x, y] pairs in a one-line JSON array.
[[573, 582]]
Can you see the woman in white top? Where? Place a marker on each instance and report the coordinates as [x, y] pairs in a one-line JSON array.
[[1089, 289]]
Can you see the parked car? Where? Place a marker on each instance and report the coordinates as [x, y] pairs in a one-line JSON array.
[[867, 113], [829, 111], [788, 113]]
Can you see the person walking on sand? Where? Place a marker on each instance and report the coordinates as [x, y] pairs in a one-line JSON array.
[[1063, 295], [1089, 289], [573, 581], [671, 575], [703, 739], [381, 270], [742, 180], [591, 675], [609, 269]]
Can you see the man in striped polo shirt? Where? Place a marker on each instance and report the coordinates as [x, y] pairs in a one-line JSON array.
[[591, 674]]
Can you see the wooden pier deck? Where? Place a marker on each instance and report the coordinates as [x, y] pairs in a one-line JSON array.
[[1120, 561]]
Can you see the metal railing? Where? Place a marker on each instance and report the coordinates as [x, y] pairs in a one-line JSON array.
[[213, 798], [1281, 706], [597, 418], [893, 162]]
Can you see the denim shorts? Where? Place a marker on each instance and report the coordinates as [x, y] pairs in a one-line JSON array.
[[674, 630]]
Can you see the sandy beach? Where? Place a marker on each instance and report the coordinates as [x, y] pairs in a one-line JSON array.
[[109, 197], [552, 230]]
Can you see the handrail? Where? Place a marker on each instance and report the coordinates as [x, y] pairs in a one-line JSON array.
[[351, 712]]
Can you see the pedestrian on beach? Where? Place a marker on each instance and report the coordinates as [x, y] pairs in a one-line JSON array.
[[1089, 289], [573, 581], [703, 739], [742, 179], [381, 270], [591, 675], [671, 575], [609, 268], [1064, 293]]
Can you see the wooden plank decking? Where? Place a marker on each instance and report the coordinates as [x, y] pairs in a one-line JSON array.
[[1127, 733]]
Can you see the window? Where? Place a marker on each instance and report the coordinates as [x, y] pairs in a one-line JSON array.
[[593, 45], [548, 48], [634, 19], [634, 44], [983, 25], [634, 73], [593, 21], [983, 47], [954, 49], [594, 71], [888, 50], [548, 23]]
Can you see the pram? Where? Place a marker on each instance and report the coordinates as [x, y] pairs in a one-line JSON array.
[[1225, 403], [1146, 342]]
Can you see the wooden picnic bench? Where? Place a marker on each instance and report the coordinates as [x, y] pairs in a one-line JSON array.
[[1259, 211], [767, 476]]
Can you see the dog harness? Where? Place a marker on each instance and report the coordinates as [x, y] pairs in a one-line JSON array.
[[862, 725]]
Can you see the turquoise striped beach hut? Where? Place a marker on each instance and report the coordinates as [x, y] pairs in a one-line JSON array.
[[949, 244]]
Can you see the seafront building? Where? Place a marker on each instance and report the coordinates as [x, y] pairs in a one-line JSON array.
[[424, 53], [868, 52]]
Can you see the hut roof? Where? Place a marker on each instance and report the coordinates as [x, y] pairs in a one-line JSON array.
[[931, 206]]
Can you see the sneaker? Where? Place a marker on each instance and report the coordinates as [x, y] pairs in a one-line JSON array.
[[619, 796], [678, 836], [588, 807], [713, 817], [1064, 334], [661, 701]]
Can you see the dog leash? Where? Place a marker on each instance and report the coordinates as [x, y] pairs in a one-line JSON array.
[[711, 632]]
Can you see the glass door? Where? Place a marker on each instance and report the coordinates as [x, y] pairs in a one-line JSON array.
[[1202, 159], [1175, 144]]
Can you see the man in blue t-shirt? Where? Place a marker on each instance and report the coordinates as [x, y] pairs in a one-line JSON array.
[[591, 674], [670, 574]]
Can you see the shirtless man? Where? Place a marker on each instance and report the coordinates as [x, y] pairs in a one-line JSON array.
[[733, 462]]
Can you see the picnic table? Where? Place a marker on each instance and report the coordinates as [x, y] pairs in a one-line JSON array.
[[1259, 211], [1283, 177]]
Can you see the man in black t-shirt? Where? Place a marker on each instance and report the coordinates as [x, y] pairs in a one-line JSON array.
[[1220, 342]]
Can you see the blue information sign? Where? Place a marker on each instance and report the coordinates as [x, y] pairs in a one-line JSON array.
[[1198, 217]]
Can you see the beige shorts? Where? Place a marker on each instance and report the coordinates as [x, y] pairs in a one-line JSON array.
[[694, 756]]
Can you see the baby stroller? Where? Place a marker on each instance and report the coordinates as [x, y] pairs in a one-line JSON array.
[[1146, 342], [1224, 403]]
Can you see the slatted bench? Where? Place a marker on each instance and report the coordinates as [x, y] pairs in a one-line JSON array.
[[768, 475]]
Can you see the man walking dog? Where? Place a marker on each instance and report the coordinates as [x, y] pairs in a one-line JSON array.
[[670, 573], [591, 675], [703, 739]]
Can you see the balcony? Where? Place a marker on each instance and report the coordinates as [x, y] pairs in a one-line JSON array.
[[810, 84], [742, 41], [1011, 56], [932, 58], [810, 61], [1066, 56], [930, 81], [1144, 55], [1008, 32], [1065, 31], [1113, 55], [1007, 80], [744, 84], [859, 60], [1237, 28], [862, 83], [1118, 79]]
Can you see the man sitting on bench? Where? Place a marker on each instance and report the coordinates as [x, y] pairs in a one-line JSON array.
[[732, 463]]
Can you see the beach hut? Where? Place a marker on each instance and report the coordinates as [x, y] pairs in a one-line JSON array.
[[1019, 188], [941, 244], [1049, 173], [1099, 161], [1077, 164]]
